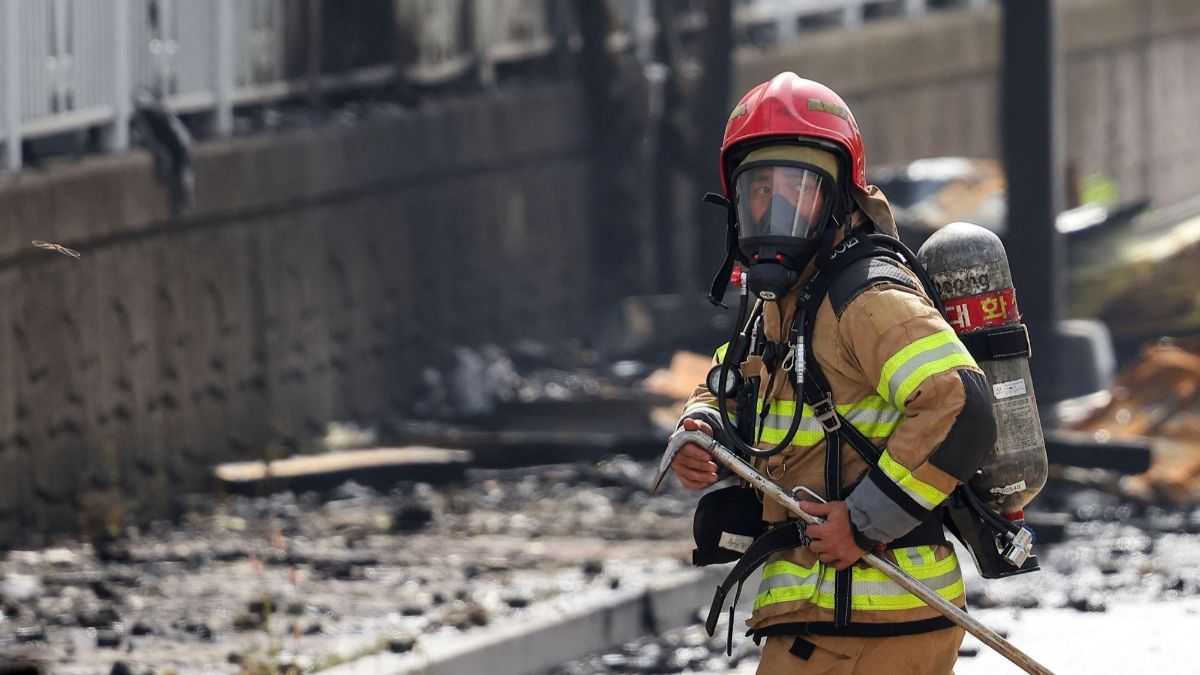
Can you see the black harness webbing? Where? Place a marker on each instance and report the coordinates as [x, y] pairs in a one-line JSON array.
[[785, 536], [857, 630], [791, 535], [819, 396]]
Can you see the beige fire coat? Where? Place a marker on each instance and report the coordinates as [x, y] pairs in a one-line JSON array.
[[899, 374]]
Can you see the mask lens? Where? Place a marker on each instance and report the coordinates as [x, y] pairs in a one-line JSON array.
[[782, 201]]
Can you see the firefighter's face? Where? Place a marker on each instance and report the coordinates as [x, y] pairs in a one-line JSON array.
[[801, 189]]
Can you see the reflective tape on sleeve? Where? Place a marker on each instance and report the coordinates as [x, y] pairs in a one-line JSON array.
[[905, 370], [921, 492]]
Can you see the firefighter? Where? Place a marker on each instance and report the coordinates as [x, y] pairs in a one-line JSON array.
[[793, 170]]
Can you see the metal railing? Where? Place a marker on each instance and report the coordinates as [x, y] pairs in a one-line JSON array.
[[72, 65], [785, 16], [69, 65]]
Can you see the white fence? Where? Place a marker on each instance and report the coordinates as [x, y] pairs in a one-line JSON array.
[[784, 16], [73, 65]]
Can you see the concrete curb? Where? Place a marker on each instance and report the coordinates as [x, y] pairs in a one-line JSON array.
[[576, 626]]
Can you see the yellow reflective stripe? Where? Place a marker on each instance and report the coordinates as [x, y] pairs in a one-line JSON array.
[[960, 360], [806, 437], [907, 352], [786, 594], [920, 571], [923, 493], [885, 602], [915, 557], [926, 553], [719, 356], [802, 438], [875, 429], [787, 582], [786, 571], [781, 407], [788, 407], [869, 403], [873, 416], [916, 362]]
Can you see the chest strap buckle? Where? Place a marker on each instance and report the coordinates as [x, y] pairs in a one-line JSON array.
[[827, 415]]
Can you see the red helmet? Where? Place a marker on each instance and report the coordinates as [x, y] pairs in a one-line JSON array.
[[786, 107]]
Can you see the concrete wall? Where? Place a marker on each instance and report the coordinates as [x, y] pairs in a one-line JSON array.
[[1130, 79], [315, 276], [320, 268]]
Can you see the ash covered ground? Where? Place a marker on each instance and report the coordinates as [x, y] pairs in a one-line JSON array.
[[288, 583], [294, 583]]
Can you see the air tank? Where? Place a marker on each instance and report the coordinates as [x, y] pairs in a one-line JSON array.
[[970, 270]]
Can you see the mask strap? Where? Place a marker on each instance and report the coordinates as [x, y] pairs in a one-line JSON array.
[[720, 282]]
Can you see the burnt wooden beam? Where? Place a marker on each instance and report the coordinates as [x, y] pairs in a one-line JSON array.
[[380, 468], [1081, 449]]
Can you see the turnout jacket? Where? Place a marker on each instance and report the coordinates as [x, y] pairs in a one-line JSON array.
[[900, 376]]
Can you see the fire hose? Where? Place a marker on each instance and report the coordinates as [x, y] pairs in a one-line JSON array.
[[771, 490]]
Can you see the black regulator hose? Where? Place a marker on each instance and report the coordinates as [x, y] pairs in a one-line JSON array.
[[735, 350]]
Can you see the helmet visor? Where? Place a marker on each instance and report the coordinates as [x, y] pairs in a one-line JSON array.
[[776, 200]]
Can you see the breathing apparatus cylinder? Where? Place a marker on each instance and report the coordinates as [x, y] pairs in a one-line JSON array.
[[969, 269]]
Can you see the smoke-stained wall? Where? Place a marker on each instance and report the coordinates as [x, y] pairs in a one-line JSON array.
[[320, 270], [1129, 78], [318, 273]]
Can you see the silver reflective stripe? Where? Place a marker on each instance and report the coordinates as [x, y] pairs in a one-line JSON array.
[[891, 588], [865, 416], [914, 556], [916, 361], [859, 417], [861, 587], [786, 580]]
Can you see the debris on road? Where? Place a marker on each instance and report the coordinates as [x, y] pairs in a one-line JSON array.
[[1157, 397]]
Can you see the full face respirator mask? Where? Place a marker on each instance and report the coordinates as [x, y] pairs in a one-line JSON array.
[[785, 199]]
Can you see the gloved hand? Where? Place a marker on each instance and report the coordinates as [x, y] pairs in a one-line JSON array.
[[693, 466], [832, 540]]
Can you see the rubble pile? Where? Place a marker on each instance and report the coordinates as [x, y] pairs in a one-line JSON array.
[[1158, 397], [251, 584], [293, 583]]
